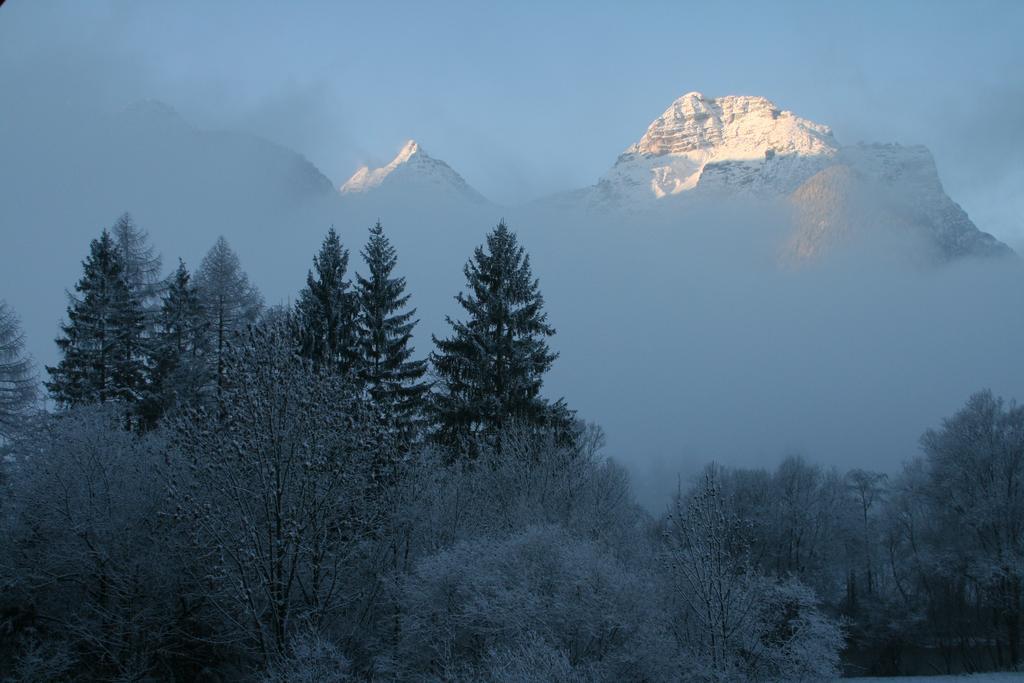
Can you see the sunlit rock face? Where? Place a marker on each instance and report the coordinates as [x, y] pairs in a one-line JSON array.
[[737, 127], [739, 141], [411, 171], [741, 147], [880, 191]]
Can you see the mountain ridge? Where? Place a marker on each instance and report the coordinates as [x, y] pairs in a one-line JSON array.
[[412, 169], [740, 146], [743, 147]]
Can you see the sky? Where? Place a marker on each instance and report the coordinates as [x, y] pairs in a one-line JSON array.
[[678, 333], [529, 98]]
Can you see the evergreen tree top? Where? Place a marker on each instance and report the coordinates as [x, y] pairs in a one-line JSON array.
[[503, 289], [181, 274], [325, 310], [384, 335], [378, 253], [491, 368], [103, 261], [101, 343], [381, 257], [180, 290], [330, 264]]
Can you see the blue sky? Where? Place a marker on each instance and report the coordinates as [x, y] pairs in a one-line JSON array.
[[527, 98]]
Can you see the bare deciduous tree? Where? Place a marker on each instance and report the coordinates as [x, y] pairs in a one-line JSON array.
[[86, 549], [275, 489], [743, 625], [976, 493]]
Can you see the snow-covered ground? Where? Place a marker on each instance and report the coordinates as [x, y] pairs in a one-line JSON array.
[[1001, 677]]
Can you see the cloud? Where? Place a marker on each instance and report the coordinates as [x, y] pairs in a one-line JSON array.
[[679, 333]]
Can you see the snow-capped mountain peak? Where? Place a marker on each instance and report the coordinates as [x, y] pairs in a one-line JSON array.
[[747, 147], [731, 127], [697, 131], [366, 178], [410, 148], [411, 168]]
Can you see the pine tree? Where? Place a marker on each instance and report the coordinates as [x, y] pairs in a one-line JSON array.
[[325, 314], [17, 379], [491, 369], [383, 336], [229, 301], [179, 373], [102, 348]]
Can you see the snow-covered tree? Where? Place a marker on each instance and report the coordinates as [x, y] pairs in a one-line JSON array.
[[384, 336], [975, 492], [707, 559], [312, 658], [273, 482], [229, 301], [567, 600], [17, 375], [326, 310], [867, 489], [742, 624], [536, 481], [102, 348], [83, 548], [491, 369]]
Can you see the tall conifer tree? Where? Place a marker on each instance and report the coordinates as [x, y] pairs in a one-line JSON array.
[[325, 314], [179, 370], [103, 356], [17, 377], [229, 301], [384, 335], [492, 367]]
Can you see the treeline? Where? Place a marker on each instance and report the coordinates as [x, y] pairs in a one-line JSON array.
[[157, 345], [233, 492], [924, 568]]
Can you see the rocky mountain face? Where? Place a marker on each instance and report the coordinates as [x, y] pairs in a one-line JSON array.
[[157, 148], [412, 171], [884, 187], [732, 142], [743, 147], [747, 147]]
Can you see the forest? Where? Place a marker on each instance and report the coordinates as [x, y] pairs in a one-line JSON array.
[[212, 489]]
